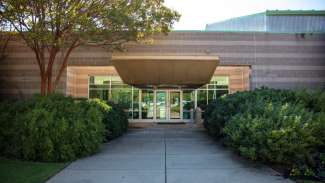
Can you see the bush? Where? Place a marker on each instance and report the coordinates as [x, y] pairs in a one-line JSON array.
[[115, 119], [52, 128], [276, 126]]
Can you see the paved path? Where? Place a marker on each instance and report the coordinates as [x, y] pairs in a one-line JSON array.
[[160, 155]]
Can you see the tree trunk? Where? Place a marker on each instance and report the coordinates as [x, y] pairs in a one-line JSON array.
[[49, 82], [49, 71], [43, 84], [65, 62]]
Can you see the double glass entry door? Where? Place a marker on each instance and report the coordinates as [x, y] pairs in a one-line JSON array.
[[168, 105]]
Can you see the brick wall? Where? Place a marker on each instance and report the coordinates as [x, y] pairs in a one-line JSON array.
[[276, 60]]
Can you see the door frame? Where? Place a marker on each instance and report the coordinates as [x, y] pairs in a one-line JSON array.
[[167, 120], [168, 108]]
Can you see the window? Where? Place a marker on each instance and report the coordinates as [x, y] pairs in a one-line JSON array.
[[218, 86], [147, 104], [113, 89], [99, 87], [188, 103]]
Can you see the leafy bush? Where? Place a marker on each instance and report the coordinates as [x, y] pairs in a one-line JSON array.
[[52, 128], [115, 119], [277, 126]]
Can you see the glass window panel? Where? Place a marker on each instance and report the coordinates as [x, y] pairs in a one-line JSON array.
[[147, 104], [119, 86], [122, 97], [101, 94], [99, 86], [136, 105], [99, 80], [188, 104], [202, 99], [175, 106], [214, 94], [220, 80], [161, 104], [116, 79]]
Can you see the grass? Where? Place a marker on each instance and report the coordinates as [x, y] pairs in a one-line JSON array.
[[15, 171]]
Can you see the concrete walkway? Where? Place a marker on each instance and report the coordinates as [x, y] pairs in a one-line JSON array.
[[165, 154]]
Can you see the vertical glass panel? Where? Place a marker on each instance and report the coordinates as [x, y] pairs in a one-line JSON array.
[[188, 104], [124, 98], [219, 82], [99, 80], [161, 104], [175, 107], [147, 103], [214, 94], [101, 94], [122, 94], [136, 105], [202, 99]]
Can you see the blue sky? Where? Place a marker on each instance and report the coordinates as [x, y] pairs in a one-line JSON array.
[[197, 13]]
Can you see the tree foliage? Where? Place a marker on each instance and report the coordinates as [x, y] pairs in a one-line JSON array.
[[50, 27], [4, 38]]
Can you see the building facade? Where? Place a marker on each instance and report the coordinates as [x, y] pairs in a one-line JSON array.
[[166, 80]]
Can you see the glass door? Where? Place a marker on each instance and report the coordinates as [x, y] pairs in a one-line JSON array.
[[188, 99], [174, 105], [161, 105], [147, 104]]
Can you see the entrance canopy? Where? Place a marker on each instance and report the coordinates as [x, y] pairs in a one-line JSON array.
[[165, 71]]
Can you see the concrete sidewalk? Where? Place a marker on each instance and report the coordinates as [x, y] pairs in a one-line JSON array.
[[165, 154]]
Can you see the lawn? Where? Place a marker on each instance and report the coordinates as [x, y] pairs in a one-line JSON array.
[[15, 171]]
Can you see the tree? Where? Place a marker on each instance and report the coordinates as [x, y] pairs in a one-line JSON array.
[[4, 38], [50, 27]]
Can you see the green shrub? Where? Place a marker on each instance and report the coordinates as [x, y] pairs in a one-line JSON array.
[[278, 126], [115, 119], [52, 128], [283, 134]]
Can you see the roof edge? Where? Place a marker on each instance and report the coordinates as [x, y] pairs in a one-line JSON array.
[[295, 12]]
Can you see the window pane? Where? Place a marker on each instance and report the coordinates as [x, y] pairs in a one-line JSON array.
[[161, 104], [188, 104], [147, 104], [122, 97], [99, 80], [101, 94], [220, 80], [175, 105], [98, 86], [214, 94], [202, 99], [136, 105]]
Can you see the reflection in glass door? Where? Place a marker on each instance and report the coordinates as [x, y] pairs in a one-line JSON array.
[[175, 105], [147, 104], [161, 105], [188, 104]]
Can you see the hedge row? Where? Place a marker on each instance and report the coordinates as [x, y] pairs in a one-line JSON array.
[[56, 128], [275, 126]]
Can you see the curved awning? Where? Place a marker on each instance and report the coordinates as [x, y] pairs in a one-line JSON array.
[[165, 71]]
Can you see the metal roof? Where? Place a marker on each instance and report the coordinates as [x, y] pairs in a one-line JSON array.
[[296, 12], [280, 21]]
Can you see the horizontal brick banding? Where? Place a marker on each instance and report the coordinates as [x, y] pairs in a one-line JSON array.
[[276, 60]]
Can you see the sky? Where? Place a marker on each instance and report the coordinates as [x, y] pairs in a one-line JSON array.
[[197, 13]]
